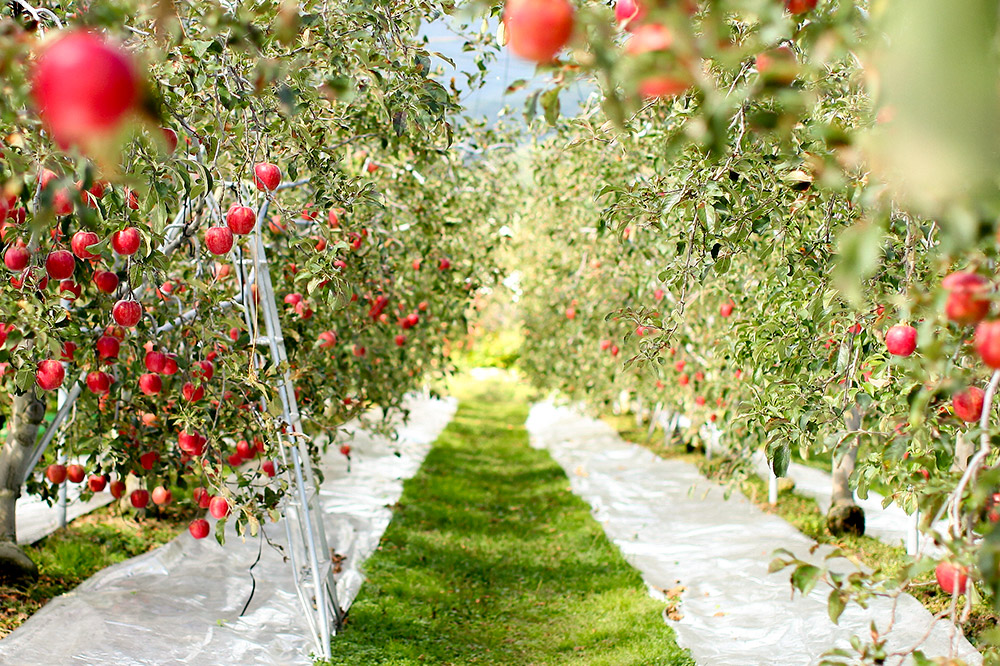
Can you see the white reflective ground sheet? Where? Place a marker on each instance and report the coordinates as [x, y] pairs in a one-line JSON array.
[[180, 604], [677, 528]]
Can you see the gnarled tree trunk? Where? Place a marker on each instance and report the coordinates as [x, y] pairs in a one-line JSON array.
[[27, 413], [845, 516]]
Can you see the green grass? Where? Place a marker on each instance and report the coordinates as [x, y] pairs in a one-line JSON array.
[[490, 559], [90, 543]]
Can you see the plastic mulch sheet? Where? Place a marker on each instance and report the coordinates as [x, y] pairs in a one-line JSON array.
[[180, 604], [677, 528], [36, 519]]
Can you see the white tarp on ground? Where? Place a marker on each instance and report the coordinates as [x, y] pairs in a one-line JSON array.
[[36, 519], [677, 528], [179, 604]]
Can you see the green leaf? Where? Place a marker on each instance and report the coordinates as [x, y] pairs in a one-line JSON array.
[[805, 577], [835, 605]]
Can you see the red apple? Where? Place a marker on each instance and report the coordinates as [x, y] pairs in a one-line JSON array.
[[570, 313], [538, 29], [56, 473], [170, 365], [84, 87], [244, 450], [170, 138], [268, 468], [648, 38], [155, 361], [950, 576], [199, 528], [127, 241], [327, 339], [75, 473], [68, 350], [96, 483], [218, 507], [987, 342], [968, 404], [400, 340], [219, 240], [150, 384], [50, 375], [204, 370], [148, 459], [191, 443], [901, 340], [69, 290], [81, 241], [345, 450], [192, 393], [293, 299], [726, 309], [800, 6], [60, 264], [117, 489], [240, 219], [266, 176], [139, 498], [106, 281], [965, 304], [629, 12], [162, 496], [99, 382], [16, 258], [127, 313], [108, 347]]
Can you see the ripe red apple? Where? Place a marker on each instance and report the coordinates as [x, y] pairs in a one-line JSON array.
[[800, 6], [726, 309], [56, 473], [570, 313], [81, 241], [345, 450], [75, 473], [50, 375], [968, 404], [901, 340], [170, 137], [293, 299], [400, 340], [605, 344], [303, 310], [150, 384], [266, 176], [139, 498], [422, 306], [108, 347], [244, 449], [268, 468], [155, 361], [614, 350], [170, 365], [965, 304], [191, 443], [700, 400], [84, 87], [148, 459], [162, 496], [96, 483], [127, 313], [629, 12], [204, 370], [60, 264], [219, 240], [987, 342], [106, 281], [327, 339], [127, 241], [684, 380], [68, 350], [950, 576], [240, 219], [117, 489], [69, 290], [16, 258], [538, 29], [99, 382], [648, 38], [218, 507], [192, 393], [199, 528], [359, 351]]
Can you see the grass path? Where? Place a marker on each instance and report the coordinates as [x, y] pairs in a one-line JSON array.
[[490, 559]]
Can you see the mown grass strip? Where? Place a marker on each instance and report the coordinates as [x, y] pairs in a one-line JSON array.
[[490, 559]]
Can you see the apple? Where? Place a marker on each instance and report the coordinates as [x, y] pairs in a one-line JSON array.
[[127, 313], [131, 199], [726, 309], [148, 459], [700, 401], [244, 449], [359, 351], [570, 313], [614, 350], [83, 87], [60, 264], [684, 380], [96, 483], [218, 507], [949, 576], [240, 219], [204, 370], [75, 473], [629, 12], [99, 382], [170, 365], [16, 258], [117, 489], [106, 281], [170, 137], [266, 176], [108, 347], [303, 310], [968, 404], [901, 340], [648, 38], [538, 29], [965, 304], [234, 460], [800, 6], [219, 240], [345, 450], [192, 393], [81, 241], [162, 496], [155, 361], [268, 468], [72, 289], [422, 306], [199, 528], [150, 384], [68, 350], [293, 299], [605, 344], [400, 340], [127, 241], [327, 339], [56, 473], [50, 375], [139, 498], [987, 342], [191, 443]]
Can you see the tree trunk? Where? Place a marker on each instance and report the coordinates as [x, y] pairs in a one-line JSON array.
[[27, 413], [845, 516]]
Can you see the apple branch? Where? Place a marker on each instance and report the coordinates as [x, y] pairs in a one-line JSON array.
[[955, 500]]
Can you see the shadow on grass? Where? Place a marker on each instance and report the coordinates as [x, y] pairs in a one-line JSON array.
[[491, 560]]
